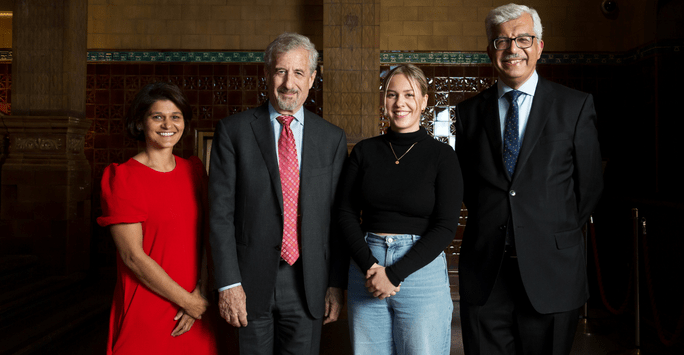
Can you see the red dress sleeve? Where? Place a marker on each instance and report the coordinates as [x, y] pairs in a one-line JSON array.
[[122, 196]]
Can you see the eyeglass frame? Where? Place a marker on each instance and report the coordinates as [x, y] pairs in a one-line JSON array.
[[514, 39]]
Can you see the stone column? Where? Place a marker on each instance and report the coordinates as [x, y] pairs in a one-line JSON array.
[[351, 66], [46, 179]]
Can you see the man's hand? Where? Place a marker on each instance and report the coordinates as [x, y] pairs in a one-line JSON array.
[[233, 306], [334, 300], [378, 284]]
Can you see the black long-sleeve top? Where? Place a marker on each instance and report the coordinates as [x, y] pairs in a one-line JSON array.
[[421, 195]]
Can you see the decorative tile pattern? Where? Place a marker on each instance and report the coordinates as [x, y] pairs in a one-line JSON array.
[[434, 58], [546, 58], [385, 57], [176, 57]]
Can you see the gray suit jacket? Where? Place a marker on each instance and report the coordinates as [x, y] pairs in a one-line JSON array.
[[246, 207], [555, 187]]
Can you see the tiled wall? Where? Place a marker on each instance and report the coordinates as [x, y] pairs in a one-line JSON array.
[[200, 24], [430, 25], [5, 87], [458, 25]]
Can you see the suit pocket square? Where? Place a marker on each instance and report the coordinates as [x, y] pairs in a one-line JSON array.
[[568, 239]]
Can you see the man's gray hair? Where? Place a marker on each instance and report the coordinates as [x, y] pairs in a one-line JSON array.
[[287, 42], [505, 13]]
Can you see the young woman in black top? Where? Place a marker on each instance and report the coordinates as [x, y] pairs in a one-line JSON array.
[[401, 199]]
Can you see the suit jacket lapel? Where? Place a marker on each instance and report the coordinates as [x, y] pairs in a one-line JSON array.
[[544, 98], [263, 133], [309, 144], [492, 125]]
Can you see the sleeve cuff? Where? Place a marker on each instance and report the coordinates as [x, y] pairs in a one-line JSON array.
[[392, 277], [230, 286]]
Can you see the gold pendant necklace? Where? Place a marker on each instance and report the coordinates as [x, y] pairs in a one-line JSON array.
[[395, 154]]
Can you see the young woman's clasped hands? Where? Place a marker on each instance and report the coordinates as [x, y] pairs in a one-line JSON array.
[[378, 284]]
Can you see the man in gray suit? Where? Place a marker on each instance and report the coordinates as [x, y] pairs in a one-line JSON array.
[[272, 183]]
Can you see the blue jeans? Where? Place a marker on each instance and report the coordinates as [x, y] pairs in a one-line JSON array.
[[417, 320]]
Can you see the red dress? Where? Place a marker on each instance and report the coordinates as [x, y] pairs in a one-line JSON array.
[[168, 207]]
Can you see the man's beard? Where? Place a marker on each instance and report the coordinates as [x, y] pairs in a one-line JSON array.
[[285, 104]]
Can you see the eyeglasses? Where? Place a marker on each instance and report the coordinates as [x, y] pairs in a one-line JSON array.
[[522, 42]]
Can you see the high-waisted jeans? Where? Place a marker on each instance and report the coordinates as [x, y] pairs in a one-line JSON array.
[[417, 320]]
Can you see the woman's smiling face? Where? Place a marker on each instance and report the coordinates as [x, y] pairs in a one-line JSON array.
[[404, 103], [164, 125]]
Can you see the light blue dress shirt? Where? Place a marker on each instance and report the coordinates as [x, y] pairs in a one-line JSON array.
[[524, 103]]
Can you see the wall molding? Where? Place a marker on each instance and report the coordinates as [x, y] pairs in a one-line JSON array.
[[386, 57]]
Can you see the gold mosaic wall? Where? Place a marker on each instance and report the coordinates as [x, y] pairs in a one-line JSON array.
[[5, 29], [351, 62], [200, 24], [424, 25]]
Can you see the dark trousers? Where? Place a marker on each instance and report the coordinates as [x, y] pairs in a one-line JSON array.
[[508, 324], [287, 328]]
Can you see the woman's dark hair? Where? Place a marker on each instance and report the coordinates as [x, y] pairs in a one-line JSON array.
[[146, 97]]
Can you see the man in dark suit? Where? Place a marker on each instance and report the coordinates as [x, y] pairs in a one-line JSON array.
[[272, 182], [532, 172]]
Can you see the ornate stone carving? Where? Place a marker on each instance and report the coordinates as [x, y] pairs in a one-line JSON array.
[[43, 144], [33, 139], [75, 144], [351, 21]]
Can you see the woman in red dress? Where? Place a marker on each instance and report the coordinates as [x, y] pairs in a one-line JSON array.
[[153, 204]]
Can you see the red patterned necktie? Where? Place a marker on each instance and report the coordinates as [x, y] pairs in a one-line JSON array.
[[289, 180]]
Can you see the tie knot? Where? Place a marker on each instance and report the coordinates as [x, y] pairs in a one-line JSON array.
[[512, 96], [285, 120]]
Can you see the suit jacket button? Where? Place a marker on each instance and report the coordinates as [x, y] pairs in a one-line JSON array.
[[512, 192]]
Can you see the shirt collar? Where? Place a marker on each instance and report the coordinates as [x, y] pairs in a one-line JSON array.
[[298, 116], [529, 87]]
